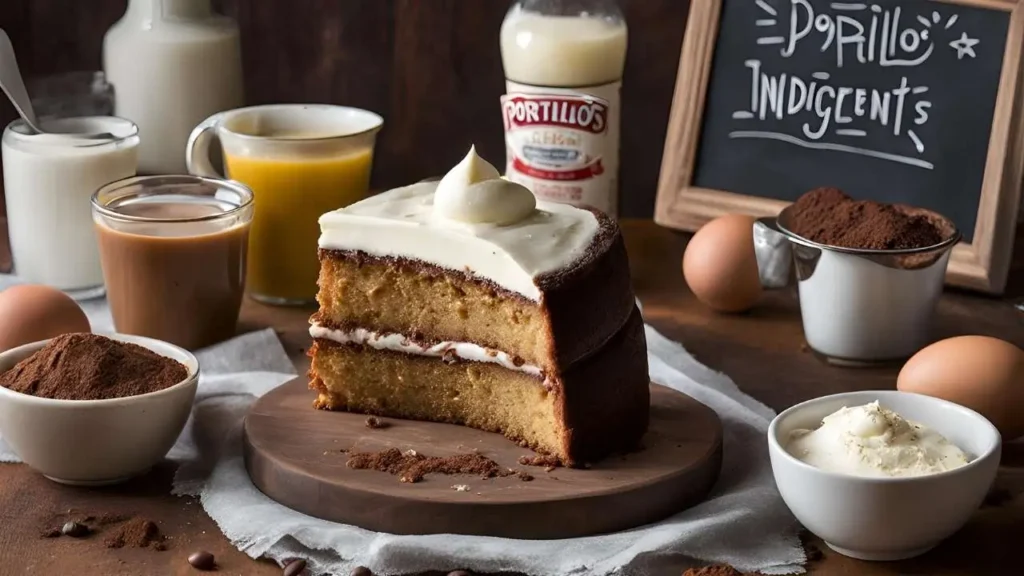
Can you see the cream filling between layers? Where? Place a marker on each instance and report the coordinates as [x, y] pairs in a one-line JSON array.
[[400, 343]]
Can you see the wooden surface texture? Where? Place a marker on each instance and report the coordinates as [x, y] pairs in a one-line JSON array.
[[762, 351]]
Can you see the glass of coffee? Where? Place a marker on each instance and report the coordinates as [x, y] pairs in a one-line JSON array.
[[173, 251]]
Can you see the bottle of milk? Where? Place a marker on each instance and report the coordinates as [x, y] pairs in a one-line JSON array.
[[563, 64], [173, 63]]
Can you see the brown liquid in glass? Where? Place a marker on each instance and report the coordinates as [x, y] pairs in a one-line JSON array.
[[181, 282]]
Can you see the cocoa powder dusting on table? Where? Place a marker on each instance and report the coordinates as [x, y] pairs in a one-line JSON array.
[[91, 523], [411, 466], [137, 532], [118, 531], [92, 367], [828, 216]]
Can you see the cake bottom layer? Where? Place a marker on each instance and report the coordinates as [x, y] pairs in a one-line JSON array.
[[387, 383], [597, 407]]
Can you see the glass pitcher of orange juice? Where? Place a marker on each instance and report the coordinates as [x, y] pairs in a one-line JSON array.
[[300, 160]]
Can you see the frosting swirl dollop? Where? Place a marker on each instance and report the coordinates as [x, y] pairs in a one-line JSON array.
[[473, 192]]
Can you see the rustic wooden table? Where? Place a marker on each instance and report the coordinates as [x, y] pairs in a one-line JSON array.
[[762, 351]]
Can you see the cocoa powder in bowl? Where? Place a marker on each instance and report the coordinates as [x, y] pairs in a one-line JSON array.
[[92, 367], [830, 217]]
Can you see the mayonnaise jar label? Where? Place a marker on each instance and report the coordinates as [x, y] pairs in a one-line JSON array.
[[563, 144]]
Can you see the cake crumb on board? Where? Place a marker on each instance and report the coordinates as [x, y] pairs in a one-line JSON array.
[[411, 467]]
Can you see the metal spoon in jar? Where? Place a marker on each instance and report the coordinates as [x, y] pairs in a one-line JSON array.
[[13, 85]]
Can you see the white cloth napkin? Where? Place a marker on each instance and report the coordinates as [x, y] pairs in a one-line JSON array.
[[743, 522]]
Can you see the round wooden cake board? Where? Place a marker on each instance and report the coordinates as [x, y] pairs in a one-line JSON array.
[[293, 453]]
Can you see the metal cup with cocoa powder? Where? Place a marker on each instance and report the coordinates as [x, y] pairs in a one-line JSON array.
[[173, 250], [869, 274]]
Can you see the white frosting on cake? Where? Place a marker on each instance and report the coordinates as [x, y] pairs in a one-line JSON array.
[[400, 343], [469, 222], [474, 193]]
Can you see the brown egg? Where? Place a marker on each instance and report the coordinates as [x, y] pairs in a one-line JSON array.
[[982, 373], [29, 313], [719, 264]]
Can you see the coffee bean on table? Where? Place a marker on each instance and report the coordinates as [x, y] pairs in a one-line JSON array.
[[459, 573], [74, 529], [294, 567], [361, 571], [202, 560]]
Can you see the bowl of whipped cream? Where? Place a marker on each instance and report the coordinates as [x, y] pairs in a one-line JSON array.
[[882, 475]]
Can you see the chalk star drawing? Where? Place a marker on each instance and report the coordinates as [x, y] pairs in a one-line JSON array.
[[964, 45]]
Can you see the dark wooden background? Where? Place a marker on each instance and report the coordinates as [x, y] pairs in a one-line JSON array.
[[431, 68]]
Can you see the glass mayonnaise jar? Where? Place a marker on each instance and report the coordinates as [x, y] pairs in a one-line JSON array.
[[563, 63]]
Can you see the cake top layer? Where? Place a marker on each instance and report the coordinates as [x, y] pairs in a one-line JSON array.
[[471, 221]]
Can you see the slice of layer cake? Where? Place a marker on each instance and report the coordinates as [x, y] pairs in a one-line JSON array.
[[467, 301]]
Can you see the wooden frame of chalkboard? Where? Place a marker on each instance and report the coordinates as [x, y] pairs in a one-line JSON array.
[[982, 263]]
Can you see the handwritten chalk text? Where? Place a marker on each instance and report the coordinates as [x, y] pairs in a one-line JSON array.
[[782, 96], [849, 34]]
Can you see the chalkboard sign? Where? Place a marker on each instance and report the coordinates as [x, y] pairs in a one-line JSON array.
[[908, 101]]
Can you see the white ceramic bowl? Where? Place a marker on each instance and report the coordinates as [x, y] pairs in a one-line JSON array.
[[886, 518], [95, 442]]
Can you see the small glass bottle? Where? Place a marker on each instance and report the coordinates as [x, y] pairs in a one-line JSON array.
[[173, 63], [564, 61]]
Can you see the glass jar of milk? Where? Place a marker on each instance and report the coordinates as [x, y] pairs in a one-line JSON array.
[[173, 63], [49, 180], [563, 62]]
